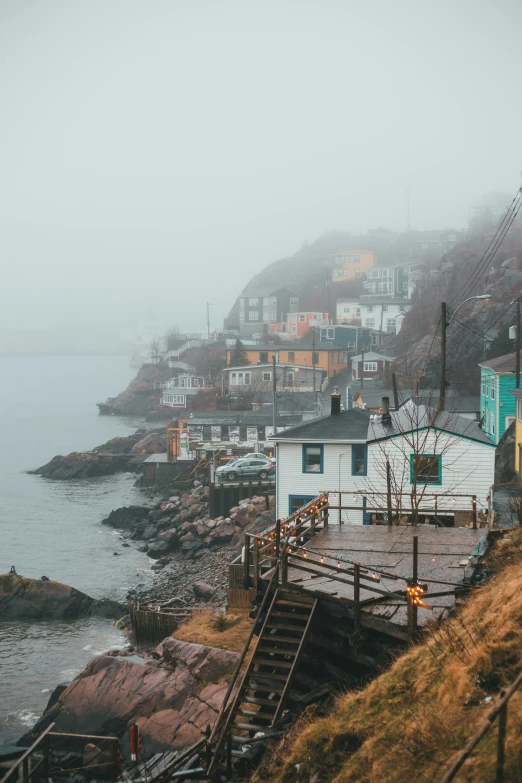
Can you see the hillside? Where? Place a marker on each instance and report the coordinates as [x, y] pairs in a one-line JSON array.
[[412, 721]]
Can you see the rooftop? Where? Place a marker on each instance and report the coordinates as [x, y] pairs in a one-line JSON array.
[[270, 365], [246, 418], [411, 417], [372, 356], [347, 426], [504, 363], [305, 345]]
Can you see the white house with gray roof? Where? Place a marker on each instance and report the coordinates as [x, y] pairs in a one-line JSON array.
[[445, 455]]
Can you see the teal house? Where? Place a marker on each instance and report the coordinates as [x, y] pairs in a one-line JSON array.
[[497, 405]]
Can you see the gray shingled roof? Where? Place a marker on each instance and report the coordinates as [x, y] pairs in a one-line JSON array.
[[243, 418], [407, 420], [346, 426], [504, 363]]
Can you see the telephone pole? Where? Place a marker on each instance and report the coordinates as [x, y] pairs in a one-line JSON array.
[[209, 304], [274, 390], [444, 324], [313, 356], [517, 342]]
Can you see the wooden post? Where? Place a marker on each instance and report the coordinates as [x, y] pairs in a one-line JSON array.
[[356, 598], [474, 507], [436, 510], [208, 748], [277, 538], [312, 523], [284, 566], [267, 502], [25, 770], [395, 392], [229, 755], [255, 559], [115, 759], [45, 760], [388, 492], [443, 325], [412, 624], [501, 744], [325, 514], [490, 509], [246, 563]]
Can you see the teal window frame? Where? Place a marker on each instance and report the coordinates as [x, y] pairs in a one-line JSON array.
[[303, 500], [492, 388], [321, 457], [365, 451], [439, 472]]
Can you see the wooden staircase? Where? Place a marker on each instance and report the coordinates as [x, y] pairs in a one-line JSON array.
[[266, 683]]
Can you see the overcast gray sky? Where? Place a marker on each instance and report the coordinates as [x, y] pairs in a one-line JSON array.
[[156, 153]]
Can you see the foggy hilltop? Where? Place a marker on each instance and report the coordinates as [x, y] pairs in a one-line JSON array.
[[157, 156]]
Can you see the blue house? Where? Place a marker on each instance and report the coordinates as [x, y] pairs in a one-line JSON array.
[[354, 338], [497, 405]]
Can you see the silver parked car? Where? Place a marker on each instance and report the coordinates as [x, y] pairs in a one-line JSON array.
[[245, 468]]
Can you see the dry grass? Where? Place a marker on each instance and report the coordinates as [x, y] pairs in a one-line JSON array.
[[410, 722], [228, 631]]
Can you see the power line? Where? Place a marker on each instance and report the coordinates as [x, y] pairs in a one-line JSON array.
[[494, 244]]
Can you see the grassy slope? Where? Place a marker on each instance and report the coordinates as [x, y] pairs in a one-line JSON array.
[[410, 722], [204, 627]]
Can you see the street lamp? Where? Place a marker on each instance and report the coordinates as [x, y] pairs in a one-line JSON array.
[[482, 296]]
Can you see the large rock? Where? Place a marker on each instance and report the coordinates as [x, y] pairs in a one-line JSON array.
[[126, 517], [79, 465], [222, 534], [43, 599], [203, 590], [173, 699]]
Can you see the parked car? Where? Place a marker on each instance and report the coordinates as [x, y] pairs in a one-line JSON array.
[[244, 467], [260, 455]]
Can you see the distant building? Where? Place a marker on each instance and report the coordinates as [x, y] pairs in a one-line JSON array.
[[353, 338], [264, 307], [372, 365], [259, 377], [348, 311], [234, 431], [177, 390], [352, 265], [383, 313], [298, 325], [395, 281], [329, 356]]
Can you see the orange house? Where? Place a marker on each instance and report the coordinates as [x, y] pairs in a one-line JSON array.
[[331, 358], [352, 264]]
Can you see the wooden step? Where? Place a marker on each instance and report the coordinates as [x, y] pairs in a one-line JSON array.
[[291, 615], [250, 726], [286, 639], [297, 604], [257, 713], [260, 701], [265, 688], [271, 662], [270, 675], [273, 624], [276, 650], [298, 598]]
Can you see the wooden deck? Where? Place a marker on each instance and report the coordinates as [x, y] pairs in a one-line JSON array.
[[442, 557]]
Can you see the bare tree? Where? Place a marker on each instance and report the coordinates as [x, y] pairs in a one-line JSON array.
[[155, 347]]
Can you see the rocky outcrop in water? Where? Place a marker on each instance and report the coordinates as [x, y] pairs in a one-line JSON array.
[[172, 696], [81, 465], [142, 396], [44, 599]]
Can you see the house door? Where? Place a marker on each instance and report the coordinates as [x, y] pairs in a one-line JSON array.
[[367, 517], [296, 501]]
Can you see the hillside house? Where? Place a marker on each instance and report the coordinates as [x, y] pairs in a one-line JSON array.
[[497, 405], [353, 338], [346, 452], [370, 365], [259, 377], [298, 325], [330, 357], [383, 314], [397, 281], [177, 390], [352, 265], [348, 311], [265, 306]]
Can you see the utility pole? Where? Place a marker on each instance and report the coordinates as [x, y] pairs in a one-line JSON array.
[[362, 369], [517, 347], [274, 390], [395, 392], [313, 356], [444, 324], [208, 319]]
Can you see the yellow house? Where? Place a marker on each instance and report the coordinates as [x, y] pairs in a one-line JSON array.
[[518, 431], [352, 264], [331, 358]]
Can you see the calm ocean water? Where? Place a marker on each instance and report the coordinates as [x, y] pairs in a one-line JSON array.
[[48, 407]]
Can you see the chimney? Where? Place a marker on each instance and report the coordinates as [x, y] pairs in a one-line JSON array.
[[336, 402], [386, 418]]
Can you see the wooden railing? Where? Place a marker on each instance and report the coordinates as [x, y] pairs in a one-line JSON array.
[[36, 763], [500, 711]]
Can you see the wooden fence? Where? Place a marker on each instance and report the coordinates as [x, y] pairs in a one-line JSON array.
[[152, 626]]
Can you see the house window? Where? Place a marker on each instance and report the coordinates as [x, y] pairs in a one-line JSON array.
[[233, 378], [359, 459], [358, 311], [452, 238], [483, 385], [207, 432], [243, 435], [492, 393], [370, 322], [270, 300], [330, 334], [347, 309], [385, 308], [369, 308], [263, 357], [492, 423], [336, 272], [390, 325], [224, 432], [294, 301], [312, 459], [354, 259], [261, 433], [487, 387], [424, 245], [295, 502], [302, 317], [253, 301], [253, 315], [405, 286], [178, 399], [267, 376], [351, 346], [370, 366], [425, 469], [291, 356]]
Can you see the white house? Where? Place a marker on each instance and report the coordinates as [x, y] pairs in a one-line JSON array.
[[384, 314], [370, 365], [348, 311], [176, 391], [258, 378], [445, 455]]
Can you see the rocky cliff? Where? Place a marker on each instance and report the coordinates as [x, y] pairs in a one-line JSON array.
[[173, 696], [142, 396]]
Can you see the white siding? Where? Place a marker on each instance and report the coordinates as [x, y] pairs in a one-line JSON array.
[[292, 481], [468, 467]]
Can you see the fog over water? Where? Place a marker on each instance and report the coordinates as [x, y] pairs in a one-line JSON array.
[[155, 155]]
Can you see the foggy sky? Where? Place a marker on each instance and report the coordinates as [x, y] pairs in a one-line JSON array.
[[156, 154]]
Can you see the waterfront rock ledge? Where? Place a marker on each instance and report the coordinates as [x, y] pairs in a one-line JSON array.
[[44, 599]]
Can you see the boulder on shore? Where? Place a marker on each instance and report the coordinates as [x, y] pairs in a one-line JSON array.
[[172, 699], [79, 465], [44, 599]]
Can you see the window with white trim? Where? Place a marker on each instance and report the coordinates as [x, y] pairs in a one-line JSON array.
[[492, 393], [370, 366], [330, 334], [492, 423], [519, 410], [391, 325], [253, 301], [253, 315], [270, 300], [369, 308], [267, 376], [302, 317], [370, 322]]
